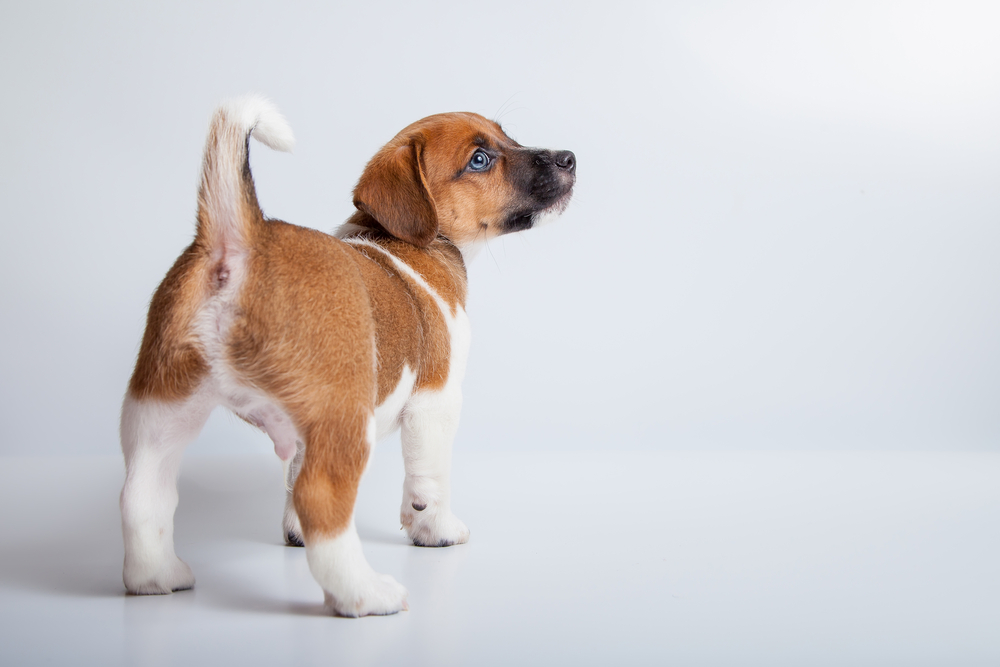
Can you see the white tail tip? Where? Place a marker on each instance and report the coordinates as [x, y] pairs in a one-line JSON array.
[[257, 114]]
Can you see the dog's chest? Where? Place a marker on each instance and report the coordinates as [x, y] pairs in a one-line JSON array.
[[410, 382], [421, 338]]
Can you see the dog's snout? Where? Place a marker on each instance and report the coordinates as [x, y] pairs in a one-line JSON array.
[[566, 160]]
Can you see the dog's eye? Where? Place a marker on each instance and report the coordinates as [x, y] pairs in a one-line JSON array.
[[480, 161]]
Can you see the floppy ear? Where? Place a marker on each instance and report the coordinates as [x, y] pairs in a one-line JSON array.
[[393, 190]]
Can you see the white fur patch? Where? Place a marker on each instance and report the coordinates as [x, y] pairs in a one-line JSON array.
[[387, 414], [430, 423], [350, 586], [154, 435], [348, 228]]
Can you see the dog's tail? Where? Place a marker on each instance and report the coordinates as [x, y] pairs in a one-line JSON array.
[[227, 199]]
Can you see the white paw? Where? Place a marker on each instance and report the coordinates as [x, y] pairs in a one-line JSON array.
[[431, 528], [373, 595], [156, 579], [350, 586]]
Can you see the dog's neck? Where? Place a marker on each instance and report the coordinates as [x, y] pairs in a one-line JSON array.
[[361, 223], [441, 263]]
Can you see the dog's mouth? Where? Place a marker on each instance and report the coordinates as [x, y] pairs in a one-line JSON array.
[[521, 220]]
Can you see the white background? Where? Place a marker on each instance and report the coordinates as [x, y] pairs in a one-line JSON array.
[[784, 234]]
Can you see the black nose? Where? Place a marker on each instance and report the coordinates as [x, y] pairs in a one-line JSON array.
[[566, 160]]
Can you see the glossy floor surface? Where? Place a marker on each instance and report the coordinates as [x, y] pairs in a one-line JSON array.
[[625, 558]]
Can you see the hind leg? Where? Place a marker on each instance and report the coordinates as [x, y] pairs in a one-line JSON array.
[[324, 495], [291, 527], [154, 435]]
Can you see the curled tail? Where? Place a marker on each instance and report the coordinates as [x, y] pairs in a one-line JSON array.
[[227, 199]]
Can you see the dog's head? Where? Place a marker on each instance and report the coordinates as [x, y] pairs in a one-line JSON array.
[[460, 176]]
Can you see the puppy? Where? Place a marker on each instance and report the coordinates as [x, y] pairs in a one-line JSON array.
[[326, 343]]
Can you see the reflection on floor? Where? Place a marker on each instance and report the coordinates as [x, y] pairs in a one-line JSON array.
[[589, 558]]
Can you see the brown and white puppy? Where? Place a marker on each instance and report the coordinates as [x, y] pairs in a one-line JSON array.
[[325, 343]]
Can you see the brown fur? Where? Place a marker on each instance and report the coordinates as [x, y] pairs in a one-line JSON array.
[[409, 328], [171, 362]]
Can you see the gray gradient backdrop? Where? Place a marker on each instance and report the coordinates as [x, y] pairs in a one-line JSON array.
[[785, 233]]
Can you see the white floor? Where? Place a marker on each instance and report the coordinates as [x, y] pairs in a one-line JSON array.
[[585, 558]]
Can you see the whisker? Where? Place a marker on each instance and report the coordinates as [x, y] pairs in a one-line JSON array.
[[499, 114], [489, 250]]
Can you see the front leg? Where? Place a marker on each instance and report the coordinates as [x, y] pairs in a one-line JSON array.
[[430, 421]]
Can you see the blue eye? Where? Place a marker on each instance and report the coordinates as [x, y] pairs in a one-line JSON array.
[[480, 161]]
